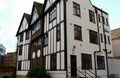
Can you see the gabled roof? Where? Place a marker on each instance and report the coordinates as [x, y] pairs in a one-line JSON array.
[[27, 16], [39, 7], [115, 33]]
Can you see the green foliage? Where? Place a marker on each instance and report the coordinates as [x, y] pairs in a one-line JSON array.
[[38, 73]]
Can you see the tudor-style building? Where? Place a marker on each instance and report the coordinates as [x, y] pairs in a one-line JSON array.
[[36, 35], [77, 39], [23, 43]]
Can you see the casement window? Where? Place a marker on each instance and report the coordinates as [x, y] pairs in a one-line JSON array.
[[100, 62], [108, 39], [93, 37], [101, 37], [76, 9], [27, 34], [58, 32], [52, 15], [21, 37], [86, 61], [20, 50], [36, 27], [46, 39], [91, 16], [107, 22], [19, 65], [53, 62], [77, 32], [99, 18]]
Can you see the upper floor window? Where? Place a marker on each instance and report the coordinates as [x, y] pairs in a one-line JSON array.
[[46, 39], [107, 22], [77, 32], [101, 37], [52, 15], [100, 62], [86, 61], [91, 16], [108, 39], [58, 33], [53, 62], [105, 39], [103, 20], [93, 37], [99, 19], [36, 27], [21, 37], [76, 9], [20, 50], [27, 34]]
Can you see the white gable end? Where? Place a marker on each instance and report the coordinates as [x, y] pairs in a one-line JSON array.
[[24, 25], [35, 15], [49, 3]]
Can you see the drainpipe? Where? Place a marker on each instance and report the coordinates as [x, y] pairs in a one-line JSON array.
[[65, 40], [105, 50], [98, 43]]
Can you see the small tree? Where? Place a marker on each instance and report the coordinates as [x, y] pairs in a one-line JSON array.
[[38, 73]]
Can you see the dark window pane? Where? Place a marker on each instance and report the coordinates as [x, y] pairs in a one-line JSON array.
[[53, 62], [100, 62], [76, 9], [86, 61], [91, 16], [93, 37], [77, 32]]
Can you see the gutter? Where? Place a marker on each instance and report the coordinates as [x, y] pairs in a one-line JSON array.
[[95, 63]]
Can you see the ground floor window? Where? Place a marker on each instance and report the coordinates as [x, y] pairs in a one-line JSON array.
[[19, 65], [86, 61], [53, 62], [100, 62]]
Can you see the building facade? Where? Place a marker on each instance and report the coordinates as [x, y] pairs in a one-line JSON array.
[[78, 39], [70, 38], [10, 59], [116, 42], [36, 35], [23, 44], [2, 53]]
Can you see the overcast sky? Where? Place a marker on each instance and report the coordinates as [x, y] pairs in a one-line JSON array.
[[11, 12]]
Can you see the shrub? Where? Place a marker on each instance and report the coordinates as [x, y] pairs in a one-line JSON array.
[[38, 73]]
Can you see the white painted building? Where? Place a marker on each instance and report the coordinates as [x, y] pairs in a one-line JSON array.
[[23, 44], [77, 39], [116, 42]]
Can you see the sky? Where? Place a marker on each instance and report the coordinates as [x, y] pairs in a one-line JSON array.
[[11, 12]]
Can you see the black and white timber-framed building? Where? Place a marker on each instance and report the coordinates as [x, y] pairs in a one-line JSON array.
[[77, 39]]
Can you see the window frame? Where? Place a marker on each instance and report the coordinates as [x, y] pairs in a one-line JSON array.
[[20, 49], [52, 14], [93, 37], [100, 62], [91, 16], [86, 59], [46, 39], [21, 37], [76, 9], [58, 32], [77, 32], [53, 62]]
